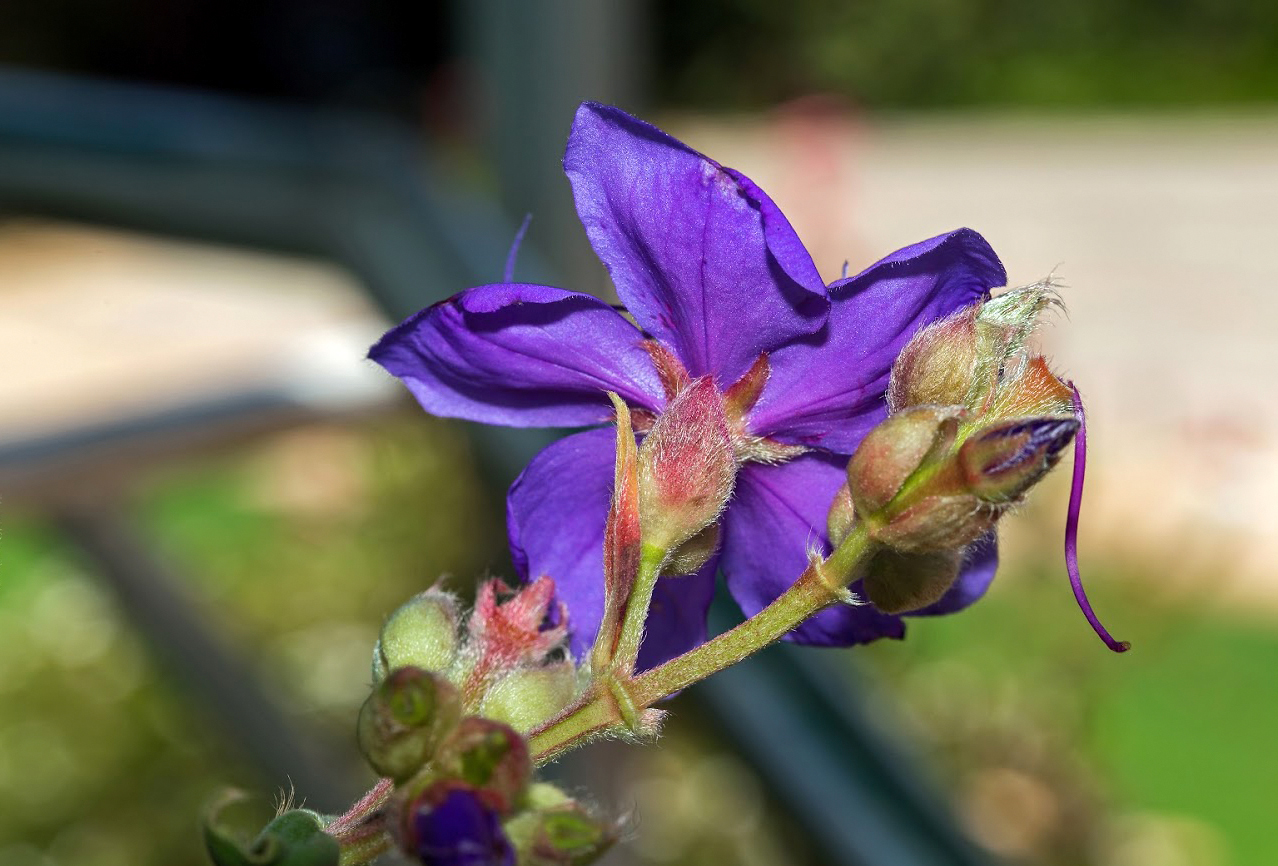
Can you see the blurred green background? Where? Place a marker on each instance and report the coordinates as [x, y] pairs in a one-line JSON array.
[[1051, 751]]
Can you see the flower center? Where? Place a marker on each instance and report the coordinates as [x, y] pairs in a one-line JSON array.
[[739, 399]]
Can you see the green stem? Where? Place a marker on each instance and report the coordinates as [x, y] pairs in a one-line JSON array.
[[651, 561], [593, 712], [820, 585]]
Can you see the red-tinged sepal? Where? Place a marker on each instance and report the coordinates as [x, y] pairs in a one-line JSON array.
[[622, 538], [674, 376], [741, 396], [510, 630]]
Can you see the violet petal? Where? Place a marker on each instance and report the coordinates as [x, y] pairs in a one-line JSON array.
[[521, 355], [777, 514], [555, 515], [827, 390], [701, 257]]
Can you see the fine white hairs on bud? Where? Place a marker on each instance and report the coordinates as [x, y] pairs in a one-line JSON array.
[[687, 467]]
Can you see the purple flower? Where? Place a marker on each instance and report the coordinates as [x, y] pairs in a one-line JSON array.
[[709, 269], [460, 830]]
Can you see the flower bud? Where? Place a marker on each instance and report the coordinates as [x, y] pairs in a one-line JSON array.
[[450, 824], [561, 835], [1002, 462], [937, 366], [896, 582], [294, 837], [960, 360], [525, 698], [421, 633], [891, 452], [490, 757], [404, 720], [693, 553], [841, 517], [935, 523], [686, 467]]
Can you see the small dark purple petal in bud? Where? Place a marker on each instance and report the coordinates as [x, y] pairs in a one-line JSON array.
[[459, 829], [1071, 529], [1002, 462]]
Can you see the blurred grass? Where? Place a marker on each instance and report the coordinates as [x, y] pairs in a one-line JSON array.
[[295, 549], [1166, 747]]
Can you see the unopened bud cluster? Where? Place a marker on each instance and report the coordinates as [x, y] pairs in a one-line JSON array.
[[447, 719], [976, 421]]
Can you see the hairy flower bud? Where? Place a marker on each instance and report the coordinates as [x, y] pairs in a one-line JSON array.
[[1002, 462], [686, 467], [404, 720], [937, 366], [693, 553], [525, 698], [891, 452], [896, 582], [561, 835], [421, 633]]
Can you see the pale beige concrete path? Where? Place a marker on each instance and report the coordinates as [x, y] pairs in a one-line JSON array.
[[1165, 230]]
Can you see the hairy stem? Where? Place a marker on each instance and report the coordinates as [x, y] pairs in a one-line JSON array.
[[651, 561], [821, 584]]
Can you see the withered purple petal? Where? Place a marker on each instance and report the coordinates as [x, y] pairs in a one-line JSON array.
[[521, 355], [827, 390], [701, 257]]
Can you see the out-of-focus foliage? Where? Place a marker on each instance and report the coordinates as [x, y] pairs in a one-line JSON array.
[[926, 53], [1057, 752], [296, 549]]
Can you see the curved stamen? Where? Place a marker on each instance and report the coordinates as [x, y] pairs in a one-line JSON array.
[[1071, 528], [508, 275]]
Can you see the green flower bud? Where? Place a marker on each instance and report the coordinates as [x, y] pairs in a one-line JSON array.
[[842, 516], [934, 523], [421, 633], [891, 452], [292, 838], [562, 834], [525, 698], [693, 553], [404, 720], [897, 582]]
